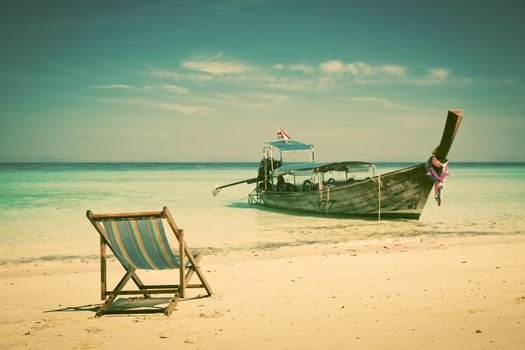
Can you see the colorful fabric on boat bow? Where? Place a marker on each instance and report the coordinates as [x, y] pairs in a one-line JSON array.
[[438, 172]]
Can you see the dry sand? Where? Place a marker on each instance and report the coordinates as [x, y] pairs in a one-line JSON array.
[[410, 293]]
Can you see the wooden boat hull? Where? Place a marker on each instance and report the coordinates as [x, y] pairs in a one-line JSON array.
[[402, 194]]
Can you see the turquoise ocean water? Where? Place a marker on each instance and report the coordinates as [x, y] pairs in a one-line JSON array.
[[43, 205]]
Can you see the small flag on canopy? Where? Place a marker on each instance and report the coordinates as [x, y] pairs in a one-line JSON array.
[[282, 135]]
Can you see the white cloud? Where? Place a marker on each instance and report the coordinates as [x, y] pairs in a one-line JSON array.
[[267, 102], [250, 101], [169, 87], [164, 73], [176, 88], [111, 86], [392, 70], [228, 97], [360, 68], [374, 101], [282, 83], [274, 98], [216, 67], [325, 83], [439, 73], [184, 109], [256, 77], [302, 68], [436, 76], [328, 75], [333, 66], [190, 110], [385, 103], [141, 133]]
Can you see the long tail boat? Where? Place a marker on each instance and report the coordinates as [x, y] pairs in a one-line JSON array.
[[347, 188]]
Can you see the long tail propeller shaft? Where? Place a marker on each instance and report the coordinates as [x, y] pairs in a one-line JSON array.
[[217, 189]]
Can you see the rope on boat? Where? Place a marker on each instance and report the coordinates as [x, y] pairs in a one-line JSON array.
[[379, 185], [327, 199]]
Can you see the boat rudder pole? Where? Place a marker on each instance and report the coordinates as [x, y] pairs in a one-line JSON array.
[[217, 189]]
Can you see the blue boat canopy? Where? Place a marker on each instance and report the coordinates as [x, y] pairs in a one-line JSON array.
[[290, 145]]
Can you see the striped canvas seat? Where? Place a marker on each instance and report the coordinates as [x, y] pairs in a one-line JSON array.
[[139, 242]]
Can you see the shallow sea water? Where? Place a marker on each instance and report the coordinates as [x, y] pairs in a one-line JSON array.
[[43, 205]]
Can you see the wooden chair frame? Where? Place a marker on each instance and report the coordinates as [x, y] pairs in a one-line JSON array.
[[178, 290]]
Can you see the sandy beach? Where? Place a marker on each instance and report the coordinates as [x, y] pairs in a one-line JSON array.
[[426, 292], [352, 171]]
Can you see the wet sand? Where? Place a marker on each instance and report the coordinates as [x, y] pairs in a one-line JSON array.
[[425, 292]]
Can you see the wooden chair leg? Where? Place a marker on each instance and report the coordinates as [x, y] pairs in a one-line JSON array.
[[186, 250], [103, 269], [182, 265], [194, 268], [173, 302], [203, 280], [139, 284], [111, 298], [197, 258]]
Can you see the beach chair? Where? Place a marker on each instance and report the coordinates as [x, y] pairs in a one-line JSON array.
[[139, 242]]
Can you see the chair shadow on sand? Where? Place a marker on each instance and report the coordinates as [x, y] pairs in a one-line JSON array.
[[126, 306]]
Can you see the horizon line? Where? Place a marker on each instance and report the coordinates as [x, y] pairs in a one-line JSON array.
[[225, 161]]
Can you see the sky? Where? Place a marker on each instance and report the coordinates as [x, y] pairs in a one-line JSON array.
[[212, 80]]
